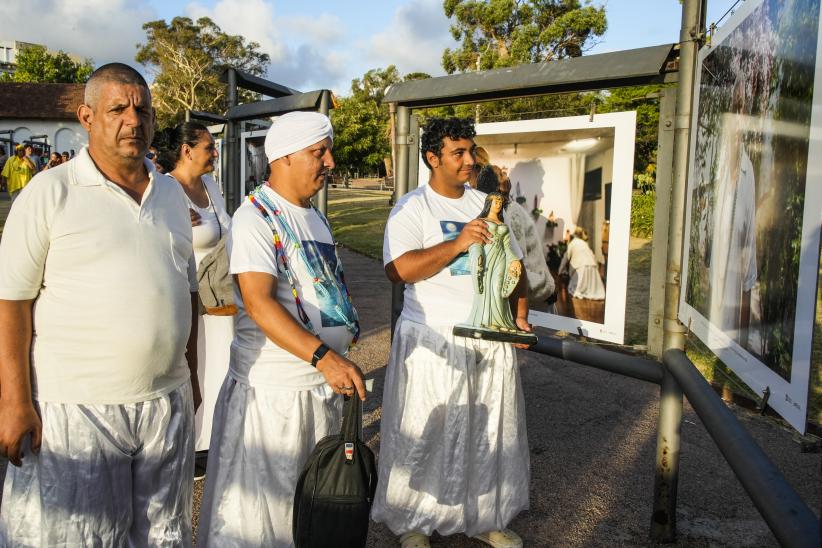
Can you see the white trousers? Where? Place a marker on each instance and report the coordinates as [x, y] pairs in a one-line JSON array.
[[453, 447], [260, 442], [106, 475]]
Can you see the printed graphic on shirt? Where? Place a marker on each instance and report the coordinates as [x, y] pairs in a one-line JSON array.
[[450, 230], [323, 260]]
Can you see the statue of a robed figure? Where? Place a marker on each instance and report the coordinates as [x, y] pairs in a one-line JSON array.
[[495, 271]]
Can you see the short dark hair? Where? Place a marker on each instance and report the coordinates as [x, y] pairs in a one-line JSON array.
[[437, 129], [487, 180], [172, 140], [111, 72]]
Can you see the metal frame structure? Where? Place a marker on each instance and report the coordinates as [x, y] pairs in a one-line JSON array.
[[284, 100], [790, 519]]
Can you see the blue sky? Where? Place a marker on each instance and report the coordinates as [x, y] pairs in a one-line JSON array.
[[319, 44]]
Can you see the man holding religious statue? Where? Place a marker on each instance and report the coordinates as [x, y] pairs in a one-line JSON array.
[[454, 451]]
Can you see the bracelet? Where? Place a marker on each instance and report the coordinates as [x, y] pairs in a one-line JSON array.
[[321, 351]]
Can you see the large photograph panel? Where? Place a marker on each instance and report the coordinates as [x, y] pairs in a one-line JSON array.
[[747, 238], [569, 181]]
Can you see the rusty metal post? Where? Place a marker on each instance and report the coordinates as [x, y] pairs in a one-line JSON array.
[[666, 478], [403, 144], [322, 195]]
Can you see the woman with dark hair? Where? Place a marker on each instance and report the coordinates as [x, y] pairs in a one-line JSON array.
[[495, 270], [540, 281], [54, 160], [192, 153]]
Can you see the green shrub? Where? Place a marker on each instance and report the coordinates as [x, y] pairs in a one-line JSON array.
[[642, 215]]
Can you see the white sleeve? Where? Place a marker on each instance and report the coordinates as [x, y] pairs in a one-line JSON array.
[[27, 238], [515, 244], [250, 244], [403, 231], [218, 201]]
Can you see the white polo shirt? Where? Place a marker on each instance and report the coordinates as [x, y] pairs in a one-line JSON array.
[[112, 281]]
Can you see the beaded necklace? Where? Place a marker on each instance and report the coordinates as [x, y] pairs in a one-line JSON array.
[[348, 315]]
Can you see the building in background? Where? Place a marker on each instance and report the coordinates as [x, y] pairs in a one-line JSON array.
[[44, 113], [8, 54]]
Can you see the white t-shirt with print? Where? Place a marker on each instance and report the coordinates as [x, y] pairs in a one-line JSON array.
[[256, 360], [420, 220]]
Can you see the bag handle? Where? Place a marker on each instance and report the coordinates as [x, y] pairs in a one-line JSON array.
[[352, 419]]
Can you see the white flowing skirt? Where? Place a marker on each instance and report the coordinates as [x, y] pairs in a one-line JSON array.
[[585, 283], [213, 355], [106, 475], [261, 440], [453, 447]]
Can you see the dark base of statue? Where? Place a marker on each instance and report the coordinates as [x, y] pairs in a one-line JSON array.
[[474, 332]]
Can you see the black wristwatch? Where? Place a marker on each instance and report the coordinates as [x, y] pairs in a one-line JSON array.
[[321, 351]]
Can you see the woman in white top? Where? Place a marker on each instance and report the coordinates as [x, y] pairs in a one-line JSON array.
[[192, 152], [586, 285]]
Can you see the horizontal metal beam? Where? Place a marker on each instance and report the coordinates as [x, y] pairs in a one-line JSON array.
[[207, 117], [594, 356], [634, 67], [257, 84], [791, 521], [274, 107]]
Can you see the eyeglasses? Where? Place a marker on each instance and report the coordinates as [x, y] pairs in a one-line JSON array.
[[150, 155]]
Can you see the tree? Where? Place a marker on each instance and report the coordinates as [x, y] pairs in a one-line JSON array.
[[645, 100], [362, 137], [35, 64], [186, 58], [503, 33]]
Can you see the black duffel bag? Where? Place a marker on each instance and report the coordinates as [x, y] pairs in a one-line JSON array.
[[336, 488]]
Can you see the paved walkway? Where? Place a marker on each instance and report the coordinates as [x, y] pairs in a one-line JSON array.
[[592, 439]]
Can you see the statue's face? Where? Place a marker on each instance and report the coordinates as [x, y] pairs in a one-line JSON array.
[[496, 205]]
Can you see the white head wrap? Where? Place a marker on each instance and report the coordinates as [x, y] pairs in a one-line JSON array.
[[295, 131]]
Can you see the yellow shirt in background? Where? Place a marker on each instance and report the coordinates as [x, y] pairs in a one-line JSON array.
[[18, 172]]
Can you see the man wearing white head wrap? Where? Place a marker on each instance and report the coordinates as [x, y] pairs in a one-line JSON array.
[[293, 328]]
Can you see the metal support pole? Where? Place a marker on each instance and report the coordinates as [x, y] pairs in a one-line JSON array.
[[400, 189], [231, 160], [322, 195], [666, 477], [662, 212], [792, 522]]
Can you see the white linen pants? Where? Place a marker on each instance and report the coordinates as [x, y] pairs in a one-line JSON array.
[[453, 447], [106, 475], [260, 442]]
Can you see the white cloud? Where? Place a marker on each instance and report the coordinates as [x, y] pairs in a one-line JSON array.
[[103, 30], [324, 29], [290, 41], [414, 39]]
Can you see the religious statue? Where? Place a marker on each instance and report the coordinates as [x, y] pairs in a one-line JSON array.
[[495, 271]]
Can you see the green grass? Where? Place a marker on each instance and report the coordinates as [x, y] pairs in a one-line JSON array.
[[358, 219]]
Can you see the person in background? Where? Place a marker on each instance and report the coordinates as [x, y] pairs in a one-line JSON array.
[[192, 152], [33, 154], [54, 160], [65, 157], [3, 158], [153, 154], [18, 171], [540, 282], [585, 285]]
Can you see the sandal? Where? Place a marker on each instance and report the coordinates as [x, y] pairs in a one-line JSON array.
[[414, 540], [501, 539]]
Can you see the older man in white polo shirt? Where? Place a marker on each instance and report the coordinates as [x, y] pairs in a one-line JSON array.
[[96, 281]]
